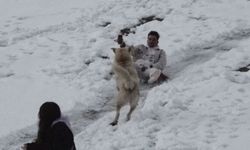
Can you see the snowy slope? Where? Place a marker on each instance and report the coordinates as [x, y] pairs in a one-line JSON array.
[[60, 51]]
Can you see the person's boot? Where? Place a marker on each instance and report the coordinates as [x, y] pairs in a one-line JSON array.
[[162, 78]]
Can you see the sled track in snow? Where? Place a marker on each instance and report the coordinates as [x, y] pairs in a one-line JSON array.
[[205, 51]]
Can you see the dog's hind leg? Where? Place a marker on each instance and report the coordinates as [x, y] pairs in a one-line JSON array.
[[118, 108], [132, 108], [133, 104]]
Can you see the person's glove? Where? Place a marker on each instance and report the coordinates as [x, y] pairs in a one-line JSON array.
[[119, 39]]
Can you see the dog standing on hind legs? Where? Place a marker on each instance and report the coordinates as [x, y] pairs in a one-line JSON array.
[[127, 81]]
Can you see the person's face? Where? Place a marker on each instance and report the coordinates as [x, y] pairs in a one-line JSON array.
[[152, 41]]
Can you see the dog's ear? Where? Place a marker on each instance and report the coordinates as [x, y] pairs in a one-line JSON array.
[[113, 49]]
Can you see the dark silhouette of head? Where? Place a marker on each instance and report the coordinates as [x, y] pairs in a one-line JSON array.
[[49, 112]]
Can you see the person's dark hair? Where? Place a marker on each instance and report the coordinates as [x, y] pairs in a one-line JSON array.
[[154, 33], [49, 112]]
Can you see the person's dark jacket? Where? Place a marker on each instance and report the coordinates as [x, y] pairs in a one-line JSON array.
[[60, 137]]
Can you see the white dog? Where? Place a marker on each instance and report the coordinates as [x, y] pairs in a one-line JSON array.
[[127, 81]]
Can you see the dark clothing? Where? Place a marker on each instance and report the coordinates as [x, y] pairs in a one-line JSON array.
[[60, 137]]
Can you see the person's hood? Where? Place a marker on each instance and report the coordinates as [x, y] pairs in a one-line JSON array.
[[62, 119]]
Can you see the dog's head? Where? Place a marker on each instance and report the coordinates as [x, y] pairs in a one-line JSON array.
[[123, 54]]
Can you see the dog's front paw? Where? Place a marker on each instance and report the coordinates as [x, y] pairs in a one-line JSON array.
[[129, 85]]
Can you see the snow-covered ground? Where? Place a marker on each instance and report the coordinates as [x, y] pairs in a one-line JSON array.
[[59, 50]]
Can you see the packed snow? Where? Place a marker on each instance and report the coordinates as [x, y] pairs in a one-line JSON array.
[[60, 50]]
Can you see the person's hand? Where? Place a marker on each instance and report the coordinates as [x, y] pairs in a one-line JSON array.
[[119, 39], [24, 147]]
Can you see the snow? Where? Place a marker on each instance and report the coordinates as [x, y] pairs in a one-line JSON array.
[[59, 50]]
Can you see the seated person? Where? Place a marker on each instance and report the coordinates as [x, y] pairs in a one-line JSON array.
[[150, 60]]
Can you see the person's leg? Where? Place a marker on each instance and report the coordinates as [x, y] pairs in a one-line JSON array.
[[163, 76]]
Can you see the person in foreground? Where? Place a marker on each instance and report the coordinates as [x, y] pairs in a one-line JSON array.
[[149, 60], [54, 131]]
